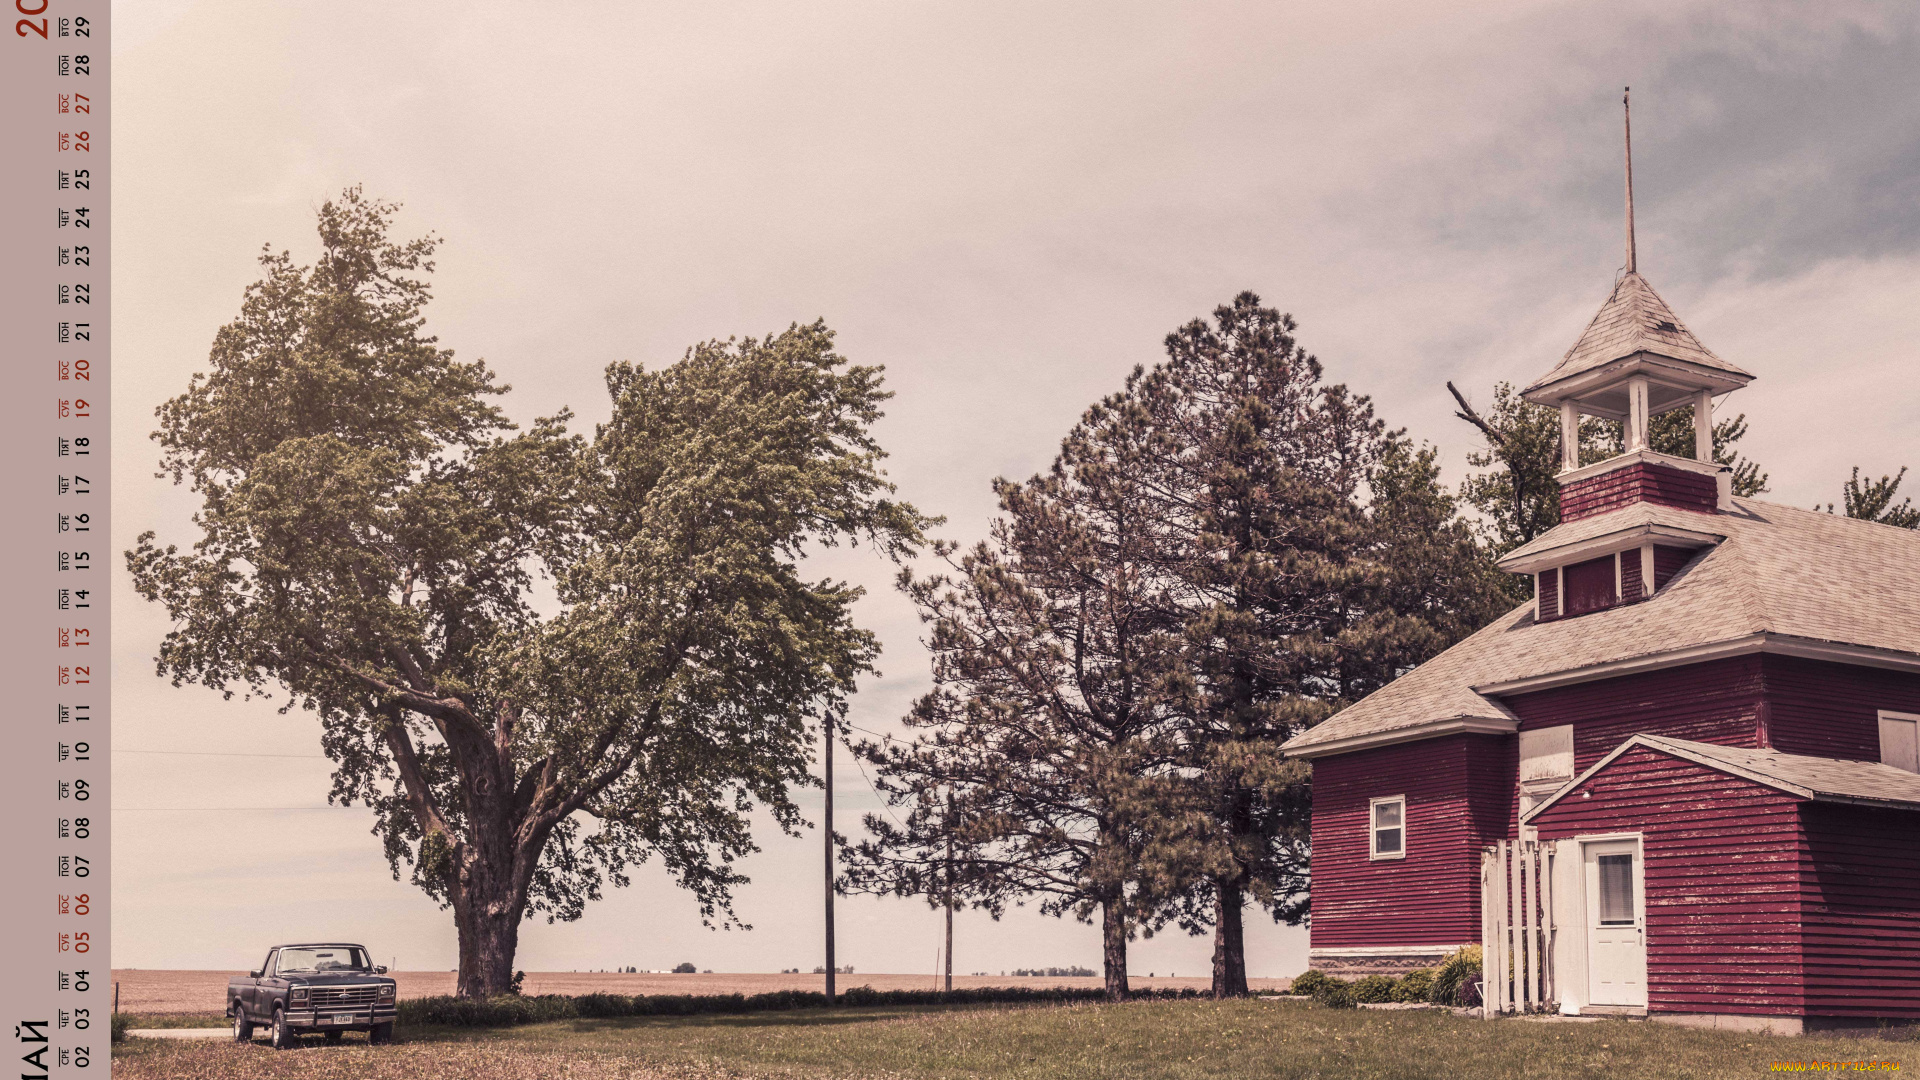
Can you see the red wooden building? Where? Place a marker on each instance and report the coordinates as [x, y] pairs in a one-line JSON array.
[[1706, 722]]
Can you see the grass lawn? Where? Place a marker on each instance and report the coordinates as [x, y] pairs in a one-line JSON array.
[[1147, 1040]]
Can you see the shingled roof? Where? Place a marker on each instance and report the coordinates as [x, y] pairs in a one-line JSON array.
[[1869, 783], [1645, 515], [1634, 319], [1783, 578]]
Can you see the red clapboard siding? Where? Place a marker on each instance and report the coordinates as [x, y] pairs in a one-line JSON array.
[[1667, 562], [1458, 790], [1716, 702], [1725, 873], [1832, 710], [1637, 483], [1549, 605], [1630, 576], [1862, 922]]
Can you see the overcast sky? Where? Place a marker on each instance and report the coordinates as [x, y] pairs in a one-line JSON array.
[[1008, 206]]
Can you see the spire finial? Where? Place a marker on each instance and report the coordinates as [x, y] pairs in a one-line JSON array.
[[1626, 107]]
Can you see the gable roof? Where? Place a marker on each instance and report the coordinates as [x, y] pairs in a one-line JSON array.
[[1866, 783], [1784, 580], [1634, 319]]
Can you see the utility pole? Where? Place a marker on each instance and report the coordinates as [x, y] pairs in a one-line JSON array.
[[826, 730], [949, 832]]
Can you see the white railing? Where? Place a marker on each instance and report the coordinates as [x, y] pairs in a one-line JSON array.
[[1516, 927]]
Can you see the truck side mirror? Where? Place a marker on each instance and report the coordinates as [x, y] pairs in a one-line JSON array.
[[254, 974], [380, 969]]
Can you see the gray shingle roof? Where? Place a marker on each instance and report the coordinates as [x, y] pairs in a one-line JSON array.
[[1780, 571], [1818, 778], [1628, 517], [1634, 319]]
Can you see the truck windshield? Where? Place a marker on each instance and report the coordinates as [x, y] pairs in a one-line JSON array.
[[322, 958]]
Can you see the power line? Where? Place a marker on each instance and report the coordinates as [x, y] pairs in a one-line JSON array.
[[222, 753], [223, 809]]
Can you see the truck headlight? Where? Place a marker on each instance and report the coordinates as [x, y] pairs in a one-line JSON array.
[[386, 992], [298, 996]]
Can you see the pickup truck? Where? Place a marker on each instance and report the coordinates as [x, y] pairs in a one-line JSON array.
[[329, 988]]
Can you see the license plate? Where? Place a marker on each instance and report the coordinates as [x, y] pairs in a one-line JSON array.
[[339, 1019]]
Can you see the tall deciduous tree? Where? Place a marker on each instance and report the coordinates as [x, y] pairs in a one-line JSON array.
[[1042, 763], [372, 532], [1872, 500]]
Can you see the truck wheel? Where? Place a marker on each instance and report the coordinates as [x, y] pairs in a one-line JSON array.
[[242, 1027], [381, 1035], [283, 1037]]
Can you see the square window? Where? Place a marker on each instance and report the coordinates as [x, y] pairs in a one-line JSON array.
[[1616, 890], [1590, 585], [1387, 828]]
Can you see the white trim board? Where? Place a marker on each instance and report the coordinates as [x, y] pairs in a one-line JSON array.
[[1669, 747], [1774, 644], [1630, 538], [1385, 950], [1686, 374], [1642, 457], [1766, 643], [1433, 729]]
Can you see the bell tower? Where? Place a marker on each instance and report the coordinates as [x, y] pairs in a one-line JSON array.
[[1634, 361]]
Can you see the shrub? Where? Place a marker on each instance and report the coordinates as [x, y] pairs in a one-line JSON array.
[[1334, 994], [519, 983], [683, 969], [1307, 981], [1451, 983], [1414, 986], [508, 1011], [1373, 990], [119, 1027]]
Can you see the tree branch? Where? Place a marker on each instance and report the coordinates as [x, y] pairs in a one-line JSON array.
[[1466, 412]]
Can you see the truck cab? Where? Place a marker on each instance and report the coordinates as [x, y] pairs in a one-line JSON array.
[[329, 987]]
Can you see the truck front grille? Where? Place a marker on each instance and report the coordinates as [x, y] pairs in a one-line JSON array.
[[333, 997]]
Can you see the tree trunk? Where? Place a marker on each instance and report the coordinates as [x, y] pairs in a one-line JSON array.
[[1113, 941], [489, 932], [1229, 940], [491, 876]]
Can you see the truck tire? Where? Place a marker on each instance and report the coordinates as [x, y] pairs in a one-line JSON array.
[[242, 1027], [381, 1035], [283, 1037]]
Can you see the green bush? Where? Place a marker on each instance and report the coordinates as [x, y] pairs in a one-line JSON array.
[[1414, 986], [508, 1010], [1334, 994], [1373, 990], [1307, 981], [1456, 973], [119, 1027]]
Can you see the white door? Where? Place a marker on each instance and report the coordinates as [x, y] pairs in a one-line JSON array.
[[1616, 925]]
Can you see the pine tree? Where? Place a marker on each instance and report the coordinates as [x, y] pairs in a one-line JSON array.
[[1042, 763], [1317, 559], [1260, 467]]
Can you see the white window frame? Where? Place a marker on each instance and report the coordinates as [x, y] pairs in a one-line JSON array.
[[1880, 732], [1373, 832]]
